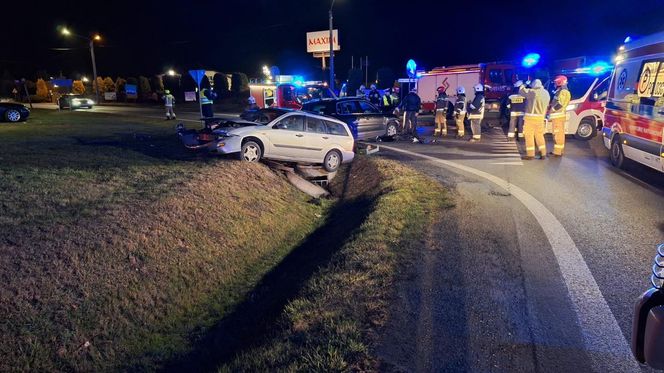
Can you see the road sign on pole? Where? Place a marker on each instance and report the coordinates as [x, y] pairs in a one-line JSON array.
[[198, 77]]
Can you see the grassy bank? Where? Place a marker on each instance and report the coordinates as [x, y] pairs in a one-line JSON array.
[[120, 250], [330, 325]]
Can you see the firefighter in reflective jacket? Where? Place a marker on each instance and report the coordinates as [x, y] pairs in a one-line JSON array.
[[537, 100], [476, 113], [460, 111], [441, 113], [517, 104], [557, 114]]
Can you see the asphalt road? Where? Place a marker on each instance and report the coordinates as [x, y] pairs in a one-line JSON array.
[[538, 266]]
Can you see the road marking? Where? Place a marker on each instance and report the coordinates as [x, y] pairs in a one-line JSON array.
[[601, 333], [177, 120], [508, 163]]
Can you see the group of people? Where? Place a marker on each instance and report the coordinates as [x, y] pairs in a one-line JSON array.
[[386, 101], [207, 97], [529, 106]]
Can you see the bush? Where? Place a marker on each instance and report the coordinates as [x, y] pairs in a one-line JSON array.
[[144, 88], [42, 88], [109, 84], [99, 83], [221, 85], [78, 87]]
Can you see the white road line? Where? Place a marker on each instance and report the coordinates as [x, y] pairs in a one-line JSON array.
[[599, 326], [175, 120], [508, 163]]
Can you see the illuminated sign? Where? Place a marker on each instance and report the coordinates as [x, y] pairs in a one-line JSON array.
[[319, 41]]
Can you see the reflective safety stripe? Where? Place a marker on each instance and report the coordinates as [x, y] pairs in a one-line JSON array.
[[530, 148], [559, 146], [556, 115], [511, 134], [477, 137], [530, 115], [520, 134], [542, 148], [516, 114]]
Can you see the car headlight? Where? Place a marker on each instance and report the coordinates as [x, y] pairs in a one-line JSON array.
[[90, 102]]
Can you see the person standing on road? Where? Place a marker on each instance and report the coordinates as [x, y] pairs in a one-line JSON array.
[[460, 111], [411, 105], [361, 92], [557, 114], [169, 100], [374, 96], [207, 97], [516, 103], [537, 100], [441, 113], [386, 101], [476, 113]]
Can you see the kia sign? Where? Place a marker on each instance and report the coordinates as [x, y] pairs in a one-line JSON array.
[[319, 41]]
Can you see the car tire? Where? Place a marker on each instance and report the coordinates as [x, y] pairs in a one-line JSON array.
[[251, 151], [332, 161], [616, 153], [586, 131], [391, 130], [13, 115]]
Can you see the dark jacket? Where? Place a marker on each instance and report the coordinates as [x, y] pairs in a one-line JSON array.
[[374, 97], [477, 105], [412, 102], [460, 106], [442, 102]]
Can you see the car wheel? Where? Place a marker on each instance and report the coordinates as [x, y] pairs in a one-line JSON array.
[[586, 130], [391, 130], [616, 154], [251, 152], [12, 115], [332, 161]]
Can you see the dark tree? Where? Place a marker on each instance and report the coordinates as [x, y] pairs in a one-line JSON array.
[[221, 85], [385, 78], [240, 85], [355, 80]]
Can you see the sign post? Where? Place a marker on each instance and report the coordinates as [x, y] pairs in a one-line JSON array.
[[198, 75]]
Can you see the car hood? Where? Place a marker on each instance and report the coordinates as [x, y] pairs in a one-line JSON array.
[[12, 105], [242, 131]]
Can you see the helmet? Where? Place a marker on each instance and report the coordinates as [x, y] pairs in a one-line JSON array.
[[167, 92], [252, 100], [461, 91], [479, 87], [363, 87], [518, 84], [536, 83], [560, 80], [373, 86]]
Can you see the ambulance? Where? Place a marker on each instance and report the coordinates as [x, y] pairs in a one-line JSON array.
[[288, 95], [634, 118], [498, 79]]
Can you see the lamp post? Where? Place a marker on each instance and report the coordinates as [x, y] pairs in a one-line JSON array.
[[331, 50], [91, 43]]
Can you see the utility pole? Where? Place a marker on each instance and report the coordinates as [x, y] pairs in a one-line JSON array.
[[331, 50], [94, 68]]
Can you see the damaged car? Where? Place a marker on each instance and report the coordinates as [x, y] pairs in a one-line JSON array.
[[276, 134]]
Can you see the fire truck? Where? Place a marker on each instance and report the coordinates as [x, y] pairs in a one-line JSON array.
[[288, 95], [498, 79]]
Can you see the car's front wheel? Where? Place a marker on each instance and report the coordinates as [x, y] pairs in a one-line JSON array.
[[391, 130], [332, 161], [587, 130], [12, 115], [251, 152], [616, 154]]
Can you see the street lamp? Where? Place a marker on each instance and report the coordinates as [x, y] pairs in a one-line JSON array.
[[84, 79], [96, 37], [331, 50]]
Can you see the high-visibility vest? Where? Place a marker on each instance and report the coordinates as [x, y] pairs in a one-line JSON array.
[[204, 99], [561, 99], [387, 100]]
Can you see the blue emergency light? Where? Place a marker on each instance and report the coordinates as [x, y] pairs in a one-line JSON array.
[[530, 60], [411, 67]]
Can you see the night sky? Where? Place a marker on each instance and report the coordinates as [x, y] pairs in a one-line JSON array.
[[142, 37]]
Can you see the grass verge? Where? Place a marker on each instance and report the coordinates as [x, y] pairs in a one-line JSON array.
[[330, 324], [119, 250]]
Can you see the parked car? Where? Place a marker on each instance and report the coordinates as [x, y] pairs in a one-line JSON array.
[[72, 101], [364, 120], [13, 112], [278, 134]]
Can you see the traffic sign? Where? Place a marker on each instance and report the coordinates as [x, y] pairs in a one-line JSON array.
[[197, 75]]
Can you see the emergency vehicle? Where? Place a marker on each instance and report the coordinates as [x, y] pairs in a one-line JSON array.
[[498, 79], [588, 87], [288, 95], [634, 118]]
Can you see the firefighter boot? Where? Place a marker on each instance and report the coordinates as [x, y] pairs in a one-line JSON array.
[[558, 136]]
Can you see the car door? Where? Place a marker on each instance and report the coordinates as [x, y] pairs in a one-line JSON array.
[[370, 121], [347, 112], [318, 141], [286, 137]]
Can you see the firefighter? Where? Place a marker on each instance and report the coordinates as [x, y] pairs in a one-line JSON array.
[[441, 113], [476, 113], [537, 100], [557, 110], [460, 111], [207, 96], [516, 103], [374, 95], [169, 100], [411, 106]]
